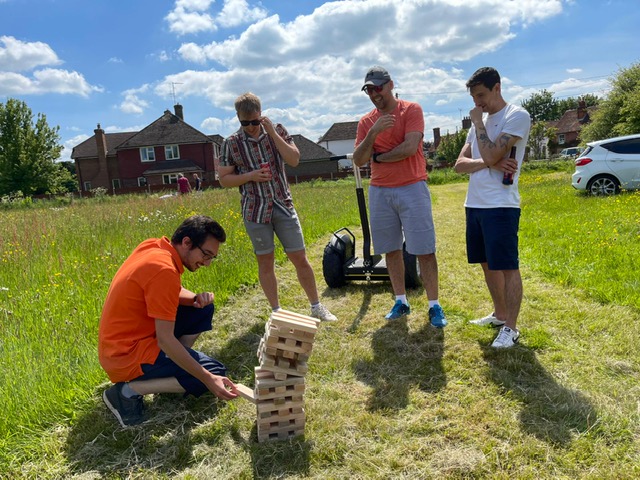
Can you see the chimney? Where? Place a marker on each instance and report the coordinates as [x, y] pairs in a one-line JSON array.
[[466, 123], [582, 110], [101, 179], [436, 137], [178, 109]]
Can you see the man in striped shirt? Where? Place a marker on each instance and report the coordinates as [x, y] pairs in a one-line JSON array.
[[253, 159]]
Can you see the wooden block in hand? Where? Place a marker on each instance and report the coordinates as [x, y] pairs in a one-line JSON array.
[[246, 392]]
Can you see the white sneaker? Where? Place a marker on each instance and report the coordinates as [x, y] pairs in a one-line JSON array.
[[488, 320], [507, 337], [322, 313]]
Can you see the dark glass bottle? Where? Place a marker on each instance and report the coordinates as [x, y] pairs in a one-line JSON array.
[[507, 178]]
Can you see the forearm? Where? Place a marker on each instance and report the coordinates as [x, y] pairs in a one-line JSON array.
[[235, 179], [176, 351], [469, 165], [362, 153], [289, 153], [491, 152], [402, 151]]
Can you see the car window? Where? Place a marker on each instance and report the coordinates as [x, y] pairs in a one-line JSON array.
[[631, 145], [586, 151]]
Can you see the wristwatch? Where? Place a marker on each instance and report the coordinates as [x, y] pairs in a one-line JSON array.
[[374, 157]]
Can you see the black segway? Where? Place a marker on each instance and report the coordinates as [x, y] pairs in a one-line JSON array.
[[339, 262]]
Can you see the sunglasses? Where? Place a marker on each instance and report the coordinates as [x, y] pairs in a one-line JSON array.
[[369, 89], [246, 123], [206, 256]]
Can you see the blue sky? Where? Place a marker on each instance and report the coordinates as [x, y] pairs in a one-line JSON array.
[[120, 63]]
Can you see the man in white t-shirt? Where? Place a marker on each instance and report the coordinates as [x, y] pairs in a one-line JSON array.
[[493, 205]]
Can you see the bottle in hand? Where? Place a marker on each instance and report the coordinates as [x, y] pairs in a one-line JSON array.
[[507, 178]]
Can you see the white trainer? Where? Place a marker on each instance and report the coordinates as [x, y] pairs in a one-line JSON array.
[[322, 313], [488, 320], [506, 338]]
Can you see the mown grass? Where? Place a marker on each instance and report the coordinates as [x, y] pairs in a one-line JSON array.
[[398, 400]]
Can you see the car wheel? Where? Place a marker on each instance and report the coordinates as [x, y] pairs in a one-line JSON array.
[[603, 185], [411, 269]]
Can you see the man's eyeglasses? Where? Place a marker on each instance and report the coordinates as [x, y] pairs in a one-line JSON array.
[[369, 89], [207, 256], [246, 123]]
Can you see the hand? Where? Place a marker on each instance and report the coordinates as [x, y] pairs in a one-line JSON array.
[[203, 299], [223, 388], [268, 125], [383, 123], [476, 115], [263, 174], [507, 165]]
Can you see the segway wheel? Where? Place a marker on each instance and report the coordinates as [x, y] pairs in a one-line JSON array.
[[411, 269]]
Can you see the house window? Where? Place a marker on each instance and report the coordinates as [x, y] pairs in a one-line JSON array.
[[169, 178], [171, 152], [87, 186], [115, 183], [142, 181], [561, 139], [147, 154]]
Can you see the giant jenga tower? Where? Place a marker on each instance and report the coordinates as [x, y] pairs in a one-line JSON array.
[[283, 353]]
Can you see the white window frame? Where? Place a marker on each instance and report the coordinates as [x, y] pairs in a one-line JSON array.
[[169, 178], [171, 152], [115, 183], [87, 186], [147, 154], [142, 181], [561, 139]]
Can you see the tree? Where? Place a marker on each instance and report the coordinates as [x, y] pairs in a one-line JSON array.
[[450, 146], [619, 113], [28, 151], [541, 106], [539, 135], [572, 103]]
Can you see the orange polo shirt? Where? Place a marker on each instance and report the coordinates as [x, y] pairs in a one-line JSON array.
[[147, 286], [409, 118]]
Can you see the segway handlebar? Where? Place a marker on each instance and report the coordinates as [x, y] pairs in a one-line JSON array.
[[348, 156]]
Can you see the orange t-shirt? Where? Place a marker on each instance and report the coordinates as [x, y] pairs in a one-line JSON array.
[[147, 286], [409, 118]]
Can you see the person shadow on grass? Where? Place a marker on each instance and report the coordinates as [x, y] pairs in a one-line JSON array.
[[402, 359], [550, 412], [178, 427]]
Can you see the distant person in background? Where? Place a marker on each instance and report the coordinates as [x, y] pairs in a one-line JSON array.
[[390, 138], [150, 322], [493, 208], [183, 184], [198, 182], [253, 159]]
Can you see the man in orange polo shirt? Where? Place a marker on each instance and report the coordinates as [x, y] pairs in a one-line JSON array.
[[399, 199], [150, 322]]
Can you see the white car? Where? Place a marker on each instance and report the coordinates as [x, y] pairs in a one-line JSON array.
[[606, 166]]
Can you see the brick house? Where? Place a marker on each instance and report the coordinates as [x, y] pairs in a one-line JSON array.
[[314, 159], [570, 124], [149, 159]]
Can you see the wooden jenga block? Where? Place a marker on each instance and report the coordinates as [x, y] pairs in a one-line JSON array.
[[246, 393], [286, 314], [288, 406]]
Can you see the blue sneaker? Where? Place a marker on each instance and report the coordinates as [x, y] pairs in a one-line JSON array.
[[399, 310], [436, 317]]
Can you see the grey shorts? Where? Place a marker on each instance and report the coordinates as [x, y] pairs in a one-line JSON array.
[[287, 227], [402, 214]]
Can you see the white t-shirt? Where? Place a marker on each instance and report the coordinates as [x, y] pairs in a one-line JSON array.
[[485, 186]]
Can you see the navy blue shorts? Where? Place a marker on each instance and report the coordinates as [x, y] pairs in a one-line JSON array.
[[492, 237], [189, 321]]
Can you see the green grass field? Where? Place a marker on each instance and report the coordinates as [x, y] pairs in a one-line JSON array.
[[383, 400]]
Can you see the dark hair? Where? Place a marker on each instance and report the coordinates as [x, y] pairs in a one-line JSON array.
[[198, 228], [487, 76]]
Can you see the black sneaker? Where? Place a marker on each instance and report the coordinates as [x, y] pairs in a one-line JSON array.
[[128, 411]]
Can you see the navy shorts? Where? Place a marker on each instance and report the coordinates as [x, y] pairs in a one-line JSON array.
[[492, 237], [189, 321]]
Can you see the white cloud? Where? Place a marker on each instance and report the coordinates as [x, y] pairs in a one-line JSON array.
[[115, 60], [20, 56], [574, 70], [211, 125], [133, 103], [238, 12], [47, 80], [192, 16]]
